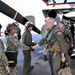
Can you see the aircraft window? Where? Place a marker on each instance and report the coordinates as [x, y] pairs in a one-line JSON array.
[[57, 1]]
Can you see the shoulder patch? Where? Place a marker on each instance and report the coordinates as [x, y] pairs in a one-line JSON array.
[[15, 34], [59, 33]]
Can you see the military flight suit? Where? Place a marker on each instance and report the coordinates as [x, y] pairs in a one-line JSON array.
[[68, 40], [54, 56], [12, 45], [3, 59], [67, 33], [27, 40], [44, 31]]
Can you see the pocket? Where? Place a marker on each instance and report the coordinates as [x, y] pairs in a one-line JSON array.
[[67, 46], [12, 58]]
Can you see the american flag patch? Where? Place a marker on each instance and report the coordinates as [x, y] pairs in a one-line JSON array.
[[59, 33]]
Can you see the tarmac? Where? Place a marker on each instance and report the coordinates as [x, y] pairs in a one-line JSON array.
[[41, 67]]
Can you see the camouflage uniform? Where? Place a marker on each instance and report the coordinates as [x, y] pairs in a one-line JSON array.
[[13, 45], [3, 59]]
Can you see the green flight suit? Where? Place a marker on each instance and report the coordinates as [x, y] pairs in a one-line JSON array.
[[54, 56], [68, 40], [3, 59], [27, 40], [12, 45], [44, 30]]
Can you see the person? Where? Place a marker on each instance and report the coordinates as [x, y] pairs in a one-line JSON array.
[[13, 44], [27, 40], [56, 45], [67, 33], [18, 30], [0, 29], [68, 39], [72, 30], [4, 69], [44, 31]]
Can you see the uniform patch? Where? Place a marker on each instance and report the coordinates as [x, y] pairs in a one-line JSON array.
[[59, 33]]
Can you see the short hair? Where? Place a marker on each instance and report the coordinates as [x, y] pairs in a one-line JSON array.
[[50, 19], [61, 22], [10, 27], [29, 25]]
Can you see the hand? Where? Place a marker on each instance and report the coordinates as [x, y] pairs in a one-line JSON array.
[[7, 69], [72, 45], [34, 43], [31, 49], [63, 59], [34, 47]]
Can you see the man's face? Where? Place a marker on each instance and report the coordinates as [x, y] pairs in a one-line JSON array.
[[61, 25], [49, 24], [30, 28]]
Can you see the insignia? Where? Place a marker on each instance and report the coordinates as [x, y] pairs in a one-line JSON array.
[[15, 34], [59, 33]]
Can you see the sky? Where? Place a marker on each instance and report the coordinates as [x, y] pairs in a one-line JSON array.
[[26, 7]]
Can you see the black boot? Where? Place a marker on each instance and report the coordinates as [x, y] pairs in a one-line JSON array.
[[45, 58]]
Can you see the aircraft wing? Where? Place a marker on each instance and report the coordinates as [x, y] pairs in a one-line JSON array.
[[7, 10]]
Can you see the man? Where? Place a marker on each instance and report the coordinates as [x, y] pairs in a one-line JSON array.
[[27, 40], [0, 29], [68, 39], [4, 69], [72, 30], [67, 33], [12, 46], [44, 31], [57, 40]]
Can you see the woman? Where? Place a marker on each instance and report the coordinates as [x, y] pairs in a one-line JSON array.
[[4, 69], [12, 45]]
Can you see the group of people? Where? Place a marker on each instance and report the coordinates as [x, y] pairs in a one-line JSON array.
[[57, 41], [13, 43]]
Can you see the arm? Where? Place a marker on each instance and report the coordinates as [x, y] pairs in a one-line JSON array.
[[60, 38], [5, 62], [28, 39], [69, 34], [3, 57], [16, 43], [39, 44]]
